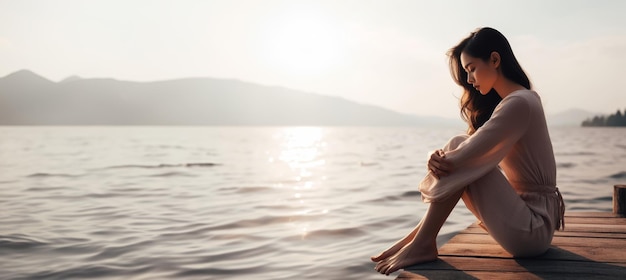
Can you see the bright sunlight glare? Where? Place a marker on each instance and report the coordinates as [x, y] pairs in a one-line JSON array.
[[302, 45], [301, 148]]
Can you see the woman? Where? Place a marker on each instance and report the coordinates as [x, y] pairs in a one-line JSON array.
[[503, 169]]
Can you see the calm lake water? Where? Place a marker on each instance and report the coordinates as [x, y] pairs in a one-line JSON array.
[[238, 202]]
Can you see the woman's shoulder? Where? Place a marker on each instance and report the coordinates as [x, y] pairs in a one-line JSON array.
[[524, 93], [520, 102], [527, 96]]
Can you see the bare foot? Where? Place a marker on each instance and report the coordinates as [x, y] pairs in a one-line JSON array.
[[395, 247], [410, 254], [391, 250]]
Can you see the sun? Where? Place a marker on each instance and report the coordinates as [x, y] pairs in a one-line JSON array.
[[302, 45]]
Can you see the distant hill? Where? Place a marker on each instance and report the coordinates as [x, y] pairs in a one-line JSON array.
[[572, 117], [29, 99]]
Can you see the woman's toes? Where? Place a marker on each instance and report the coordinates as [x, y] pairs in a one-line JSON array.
[[381, 266]]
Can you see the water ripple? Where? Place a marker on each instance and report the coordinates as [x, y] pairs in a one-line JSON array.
[[619, 175], [47, 175], [173, 174], [335, 233], [163, 165], [88, 271], [112, 252], [18, 242], [219, 271], [264, 221]]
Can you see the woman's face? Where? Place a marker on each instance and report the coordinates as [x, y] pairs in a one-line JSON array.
[[480, 74]]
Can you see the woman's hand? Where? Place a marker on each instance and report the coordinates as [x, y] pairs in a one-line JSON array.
[[438, 164]]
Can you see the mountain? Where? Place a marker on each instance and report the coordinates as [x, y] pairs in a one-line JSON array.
[[571, 117], [70, 79], [29, 99]]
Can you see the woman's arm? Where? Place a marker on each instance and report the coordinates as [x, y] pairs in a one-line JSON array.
[[480, 153]]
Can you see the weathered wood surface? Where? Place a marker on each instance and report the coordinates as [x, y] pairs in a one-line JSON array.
[[619, 199], [592, 246]]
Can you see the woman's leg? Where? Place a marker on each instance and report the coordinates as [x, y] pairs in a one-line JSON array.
[[506, 216], [423, 247], [438, 212]]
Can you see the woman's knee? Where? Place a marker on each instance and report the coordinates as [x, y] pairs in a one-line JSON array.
[[455, 141]]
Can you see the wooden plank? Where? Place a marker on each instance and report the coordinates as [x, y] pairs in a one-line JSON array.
[[520, 265], [571, 253], [595, 228], [591, 234], [556, 241], [594, 220], [479, 230], [457, 274], [606, 228], [453, 275], [590, 220], [591, 214], [592, 246]]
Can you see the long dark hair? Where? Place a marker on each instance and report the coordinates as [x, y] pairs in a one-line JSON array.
[[476, 109]]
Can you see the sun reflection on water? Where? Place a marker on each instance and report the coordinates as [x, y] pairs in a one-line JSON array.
[[302, 153], [301, 148]]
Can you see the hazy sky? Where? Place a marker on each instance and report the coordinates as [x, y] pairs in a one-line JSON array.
[[387, 53]]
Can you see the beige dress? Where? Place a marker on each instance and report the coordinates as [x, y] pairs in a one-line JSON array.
[[507, 172]]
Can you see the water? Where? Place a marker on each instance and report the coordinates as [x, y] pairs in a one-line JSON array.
[[238, 202]]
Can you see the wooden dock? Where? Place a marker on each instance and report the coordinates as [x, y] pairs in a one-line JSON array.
[[592, 246]]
